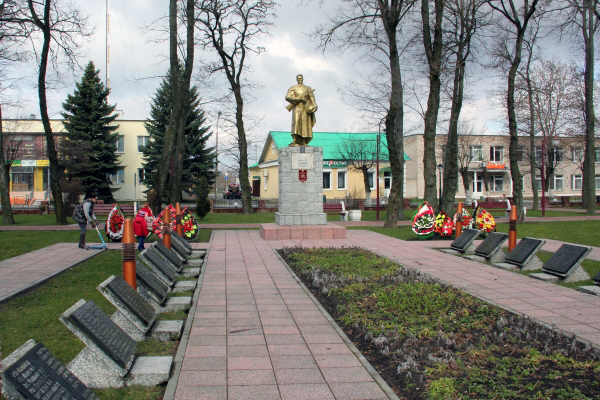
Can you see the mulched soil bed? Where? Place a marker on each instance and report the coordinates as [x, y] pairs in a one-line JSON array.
[[489, 354]]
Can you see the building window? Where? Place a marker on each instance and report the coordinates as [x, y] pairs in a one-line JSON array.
[[142, 142], [341, 180], [559, 154], [496, 153], [327, 180], [577, 154], [371, 179], [521, 153], [143, 174], [497, 183], [121, 144], [387, 178], [118, 178], [476, 153], [576, 182], [597, 154], [559, 183], [538, 182], [538, 154], [597, 182], [265, 178]]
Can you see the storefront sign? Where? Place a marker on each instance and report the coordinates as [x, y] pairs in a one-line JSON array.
[[28, 163], [16, 163], [495, 166], [43, 163], [334, 164]]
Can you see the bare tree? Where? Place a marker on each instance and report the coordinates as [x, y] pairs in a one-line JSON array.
[[517, 15], [374, 25], [55, 30], [7, 215], [434, 53], [173, 149], [581, 21], [465, 18], [229, 27], [360, 154]]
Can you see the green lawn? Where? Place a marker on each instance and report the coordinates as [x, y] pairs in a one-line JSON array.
[[15, 243], [34, 315]]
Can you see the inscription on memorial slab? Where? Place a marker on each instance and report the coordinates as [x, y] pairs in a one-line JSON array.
[[565, 258], [168, 254], [181, 241], [491, 244], [464, 240], [302, 161], [111, 339], [161, 264], [151, 281], [131, 299], [39, 375], [523, 250]]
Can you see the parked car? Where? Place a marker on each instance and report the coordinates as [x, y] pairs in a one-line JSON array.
[[233, 192]]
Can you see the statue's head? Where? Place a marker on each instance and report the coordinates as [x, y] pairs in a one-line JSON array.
[[299, 78]]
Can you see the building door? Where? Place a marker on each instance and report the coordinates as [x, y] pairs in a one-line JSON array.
[[256, 188], [477, 185]]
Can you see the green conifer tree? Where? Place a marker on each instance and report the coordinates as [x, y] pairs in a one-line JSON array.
[[88, 118], [199, 159]]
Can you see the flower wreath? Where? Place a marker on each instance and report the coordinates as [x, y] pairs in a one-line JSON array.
[[115, 223], [157, 225], [190, 226], [484, 221], [444, 226], [466, 219], [149, 217], [424, 221]]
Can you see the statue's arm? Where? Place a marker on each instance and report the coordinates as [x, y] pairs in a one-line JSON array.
[[313, 102], [291, 96]]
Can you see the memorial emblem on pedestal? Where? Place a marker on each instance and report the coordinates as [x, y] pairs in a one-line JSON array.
[[302, 175]]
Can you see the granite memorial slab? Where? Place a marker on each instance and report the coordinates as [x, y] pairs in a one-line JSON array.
[[32, 372], [565, 265], [181, 251], [490, 249], [175, 237], [161, 268], [148, 281], [168, 255], [524, 256], [594, 289], [109, 351], [464, 243], [135, 315]]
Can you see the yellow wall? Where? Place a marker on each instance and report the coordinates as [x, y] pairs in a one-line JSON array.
[[38, 179]]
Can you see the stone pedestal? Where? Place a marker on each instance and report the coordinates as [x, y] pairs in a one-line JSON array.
[[300, 187]]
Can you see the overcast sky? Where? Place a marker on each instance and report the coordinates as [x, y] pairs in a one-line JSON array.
[[134, 60]]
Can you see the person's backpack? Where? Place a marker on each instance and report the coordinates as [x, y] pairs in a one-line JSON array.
[[78, 214]]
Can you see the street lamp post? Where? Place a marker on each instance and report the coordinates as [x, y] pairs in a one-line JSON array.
[[440, 169], [217, 157]]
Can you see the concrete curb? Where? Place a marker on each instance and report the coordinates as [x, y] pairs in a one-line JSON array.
[[374, 374], [37, 283], [185, 336]]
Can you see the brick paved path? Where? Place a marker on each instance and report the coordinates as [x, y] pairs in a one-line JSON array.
[[19, 273]]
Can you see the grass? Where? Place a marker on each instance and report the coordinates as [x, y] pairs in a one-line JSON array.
[[15, 243], [34, 315], [429, 340]]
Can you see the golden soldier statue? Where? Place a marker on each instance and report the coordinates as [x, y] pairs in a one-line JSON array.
[[302, 102]]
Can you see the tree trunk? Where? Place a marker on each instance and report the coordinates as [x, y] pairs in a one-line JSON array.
[[7, 215], [434, 59], [183, 102], [243, 148], [512, 128], [162, 170], [365, 173], [464, 173], [56, 170], [394, 133], [450, 178], [589, 171]]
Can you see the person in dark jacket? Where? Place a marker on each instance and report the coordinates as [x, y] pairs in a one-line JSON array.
[[83, 214], [140, 228]]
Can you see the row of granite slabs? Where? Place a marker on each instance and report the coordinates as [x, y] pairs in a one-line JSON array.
[[563, 266], [108, 360]]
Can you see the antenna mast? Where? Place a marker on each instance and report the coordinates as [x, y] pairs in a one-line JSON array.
[[107, 49]]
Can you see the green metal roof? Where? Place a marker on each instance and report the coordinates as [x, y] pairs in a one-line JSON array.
[[330, 141]]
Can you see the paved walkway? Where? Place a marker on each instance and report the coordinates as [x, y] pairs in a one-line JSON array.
[[20, 273]]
